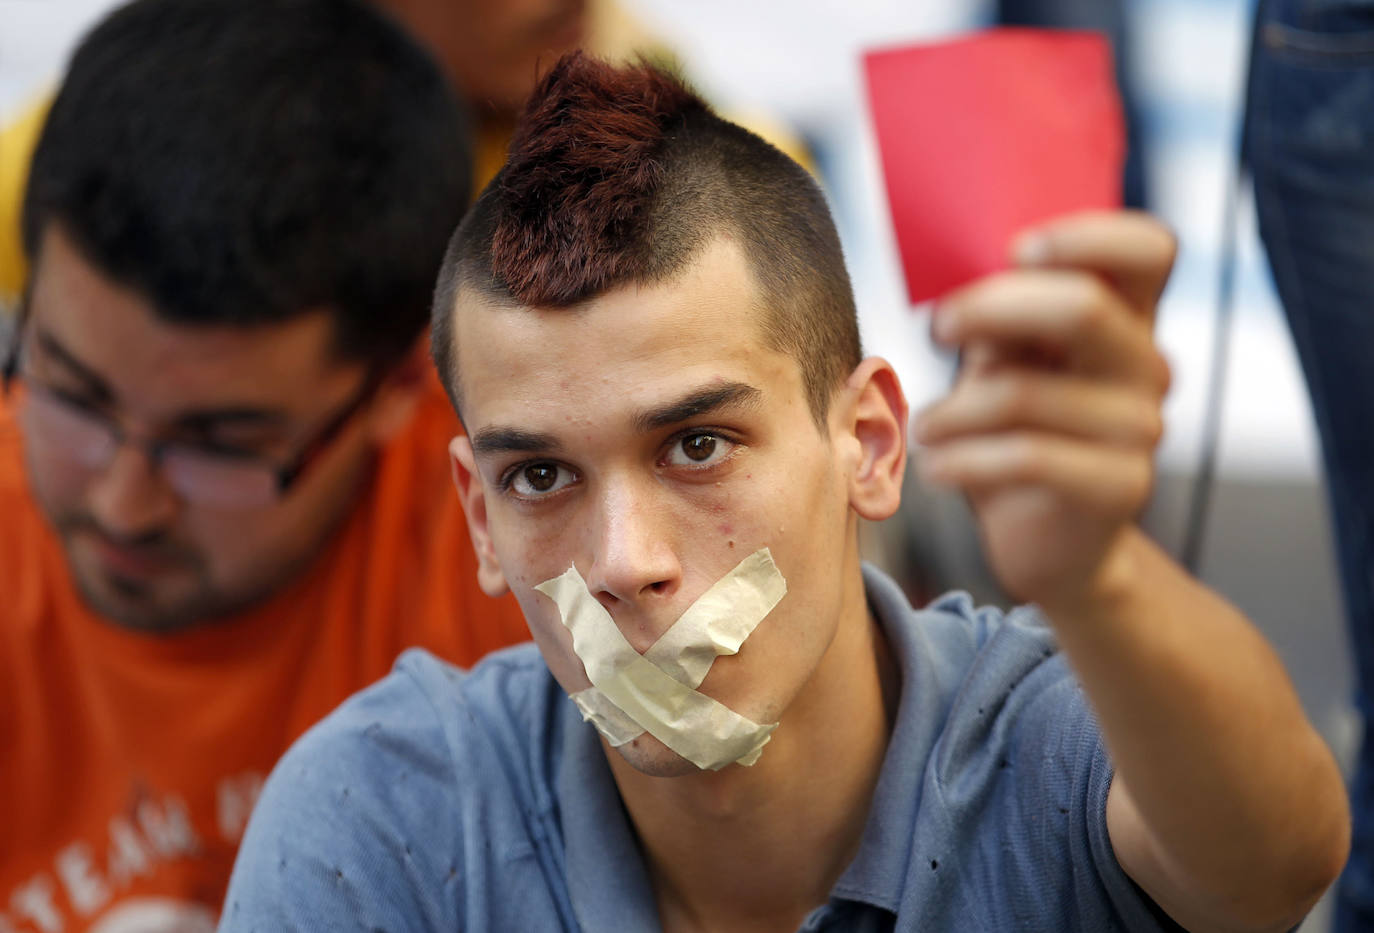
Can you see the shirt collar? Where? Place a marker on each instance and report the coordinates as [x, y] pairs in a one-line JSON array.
[[607, 882], [879, 872]]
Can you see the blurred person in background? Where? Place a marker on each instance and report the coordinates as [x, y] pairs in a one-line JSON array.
[[224, 503], [1310, 143], [495, 50]]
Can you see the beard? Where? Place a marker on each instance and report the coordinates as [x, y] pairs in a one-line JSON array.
[[170, 591]]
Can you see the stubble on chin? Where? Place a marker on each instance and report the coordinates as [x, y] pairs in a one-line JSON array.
[[174, 599], [143, 606], [651, 758]]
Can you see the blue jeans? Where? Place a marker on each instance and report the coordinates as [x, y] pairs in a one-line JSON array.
[[1310, 141]]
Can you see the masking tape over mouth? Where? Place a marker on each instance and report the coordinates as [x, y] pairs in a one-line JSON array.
[[656, 692]]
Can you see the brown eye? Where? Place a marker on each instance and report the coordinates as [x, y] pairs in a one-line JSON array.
[[703, 450], [699, 447], [541, 477], [535, 480]]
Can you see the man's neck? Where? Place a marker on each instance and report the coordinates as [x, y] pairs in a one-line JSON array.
[[758, 848]]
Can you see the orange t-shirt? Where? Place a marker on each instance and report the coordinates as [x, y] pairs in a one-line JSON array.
[[129, 762]]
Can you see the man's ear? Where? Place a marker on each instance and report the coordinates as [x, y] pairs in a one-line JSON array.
[[489, 575], [401, 390], [875, 422]]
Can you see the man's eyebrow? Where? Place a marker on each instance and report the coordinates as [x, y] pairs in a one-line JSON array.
[[197, 420], [695, 404], [209, 419], [494, 440], [53, 347], [497, 439]]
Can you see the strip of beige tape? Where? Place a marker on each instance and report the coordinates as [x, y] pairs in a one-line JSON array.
[[720, 620], [656, 692]]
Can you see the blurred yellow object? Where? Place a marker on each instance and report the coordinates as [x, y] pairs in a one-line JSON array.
[[17, 140]]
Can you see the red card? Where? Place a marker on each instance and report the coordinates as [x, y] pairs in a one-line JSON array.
[[984, 136]]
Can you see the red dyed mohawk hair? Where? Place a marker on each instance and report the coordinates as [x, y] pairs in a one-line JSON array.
[[584, 169], [620, 175]]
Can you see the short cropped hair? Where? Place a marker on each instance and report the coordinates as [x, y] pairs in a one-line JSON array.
[[622, 176], [242, 162]]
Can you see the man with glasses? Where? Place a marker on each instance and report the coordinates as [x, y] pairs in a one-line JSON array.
[[224, 503]]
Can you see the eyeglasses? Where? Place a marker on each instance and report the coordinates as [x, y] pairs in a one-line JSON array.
[[65, 428]]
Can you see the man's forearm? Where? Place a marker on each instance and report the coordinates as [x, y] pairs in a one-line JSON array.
[[1236, 815]]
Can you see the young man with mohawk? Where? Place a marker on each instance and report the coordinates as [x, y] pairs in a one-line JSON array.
[[647, 328]]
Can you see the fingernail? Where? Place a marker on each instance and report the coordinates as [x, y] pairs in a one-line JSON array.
[[1031, 249]]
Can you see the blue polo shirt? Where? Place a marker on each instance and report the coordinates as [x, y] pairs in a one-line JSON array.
[[445, 800]]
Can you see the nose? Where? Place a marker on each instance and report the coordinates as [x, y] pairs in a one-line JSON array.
[[634, 551], [130, 498]]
